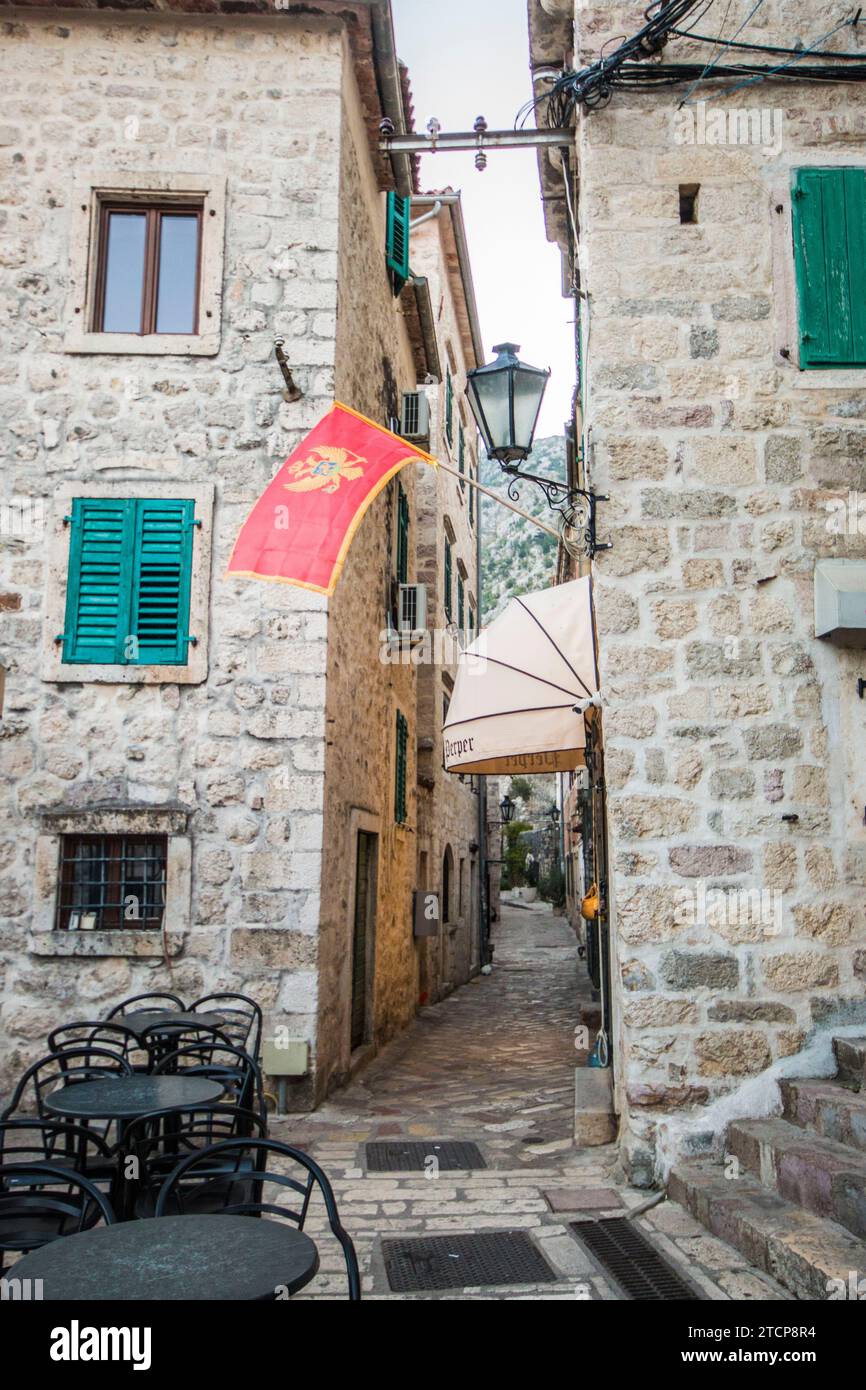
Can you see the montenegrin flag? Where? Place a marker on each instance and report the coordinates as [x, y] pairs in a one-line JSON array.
[[300, 530]]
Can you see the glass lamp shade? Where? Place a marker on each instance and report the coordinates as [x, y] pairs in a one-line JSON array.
[[506, 397], [507, 809]]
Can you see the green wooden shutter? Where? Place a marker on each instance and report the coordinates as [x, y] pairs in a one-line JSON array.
[[397, 240], [400, 769], [448, 585], [449, 407], [98, 583], [471, 498], [402, 536], [829, 214], [461, 454], [159, 613]]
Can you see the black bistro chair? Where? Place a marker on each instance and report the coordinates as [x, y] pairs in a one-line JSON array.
[[242, 1018], [142, 1003], [245, 1170], [42, 1202], [32, 1140], [218, 1060], [65, 1067], [112, 1037], [152, 1150]]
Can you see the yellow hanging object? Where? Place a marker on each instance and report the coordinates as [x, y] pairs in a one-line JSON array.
[[590, 905]]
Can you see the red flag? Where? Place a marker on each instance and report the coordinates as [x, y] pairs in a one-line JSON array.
[[300, 530]]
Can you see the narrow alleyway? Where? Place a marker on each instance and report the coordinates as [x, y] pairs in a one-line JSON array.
[[493, 1064]]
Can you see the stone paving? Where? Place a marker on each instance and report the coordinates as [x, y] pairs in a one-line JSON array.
[[493, 1064]]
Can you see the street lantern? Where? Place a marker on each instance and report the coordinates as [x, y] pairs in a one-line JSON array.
[[506, 397], [507, 808], [554, 814]]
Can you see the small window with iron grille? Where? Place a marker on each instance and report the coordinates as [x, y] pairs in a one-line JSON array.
[[111, 883]]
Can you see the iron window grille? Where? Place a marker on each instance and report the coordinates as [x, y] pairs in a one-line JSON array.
[[111, 883]]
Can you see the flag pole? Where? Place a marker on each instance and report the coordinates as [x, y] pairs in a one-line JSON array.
[[496, 497]]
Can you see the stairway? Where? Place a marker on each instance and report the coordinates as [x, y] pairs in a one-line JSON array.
[[797, 1210]]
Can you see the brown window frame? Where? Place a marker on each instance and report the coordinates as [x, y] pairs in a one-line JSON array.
[[154, 211], [106, 900]]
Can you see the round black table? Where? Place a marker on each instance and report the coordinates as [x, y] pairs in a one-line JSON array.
[[155, 1019], [176, 1257], [126, 1097]]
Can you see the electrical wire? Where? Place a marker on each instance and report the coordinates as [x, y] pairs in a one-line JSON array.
[[628, 67], [723, 46]]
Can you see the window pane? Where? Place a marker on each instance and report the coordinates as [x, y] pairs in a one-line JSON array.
[[124, 273], [178, 267]]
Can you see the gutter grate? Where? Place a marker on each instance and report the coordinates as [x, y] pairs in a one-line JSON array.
[[405, 1156], [625, 1253], [464, 1262]]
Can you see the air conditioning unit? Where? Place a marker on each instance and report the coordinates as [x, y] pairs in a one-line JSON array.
[[415, 420], [412, 611]]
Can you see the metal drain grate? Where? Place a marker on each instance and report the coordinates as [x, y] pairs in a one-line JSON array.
[[462, 1262], [624, 1252], [405, 1156]]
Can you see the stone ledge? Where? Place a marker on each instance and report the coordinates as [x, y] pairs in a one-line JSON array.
[[104, 943], [107, 820]]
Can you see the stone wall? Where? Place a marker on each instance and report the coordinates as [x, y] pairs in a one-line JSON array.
[[364, 692], [240, 757], [732, 734], [448, 805]]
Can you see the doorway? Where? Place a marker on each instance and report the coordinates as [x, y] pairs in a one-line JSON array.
[[363, 936]]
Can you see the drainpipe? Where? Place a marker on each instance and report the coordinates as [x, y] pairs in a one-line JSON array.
[[483, 903], [390, 87]]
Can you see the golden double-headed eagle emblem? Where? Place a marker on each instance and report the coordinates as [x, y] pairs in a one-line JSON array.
[[326, 467]]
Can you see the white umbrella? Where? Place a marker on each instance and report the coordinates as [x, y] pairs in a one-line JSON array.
[[523, 684]]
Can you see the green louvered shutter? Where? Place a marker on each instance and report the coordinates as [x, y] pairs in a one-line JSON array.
[[471, 499], [460, 603], [397, 240], [461, 454], [829, 214], [448, 585], [449, 407], [402, 536], [400, 769], [159, 614], [99, 579]]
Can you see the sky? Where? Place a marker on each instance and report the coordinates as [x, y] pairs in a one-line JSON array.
[[468, 58]]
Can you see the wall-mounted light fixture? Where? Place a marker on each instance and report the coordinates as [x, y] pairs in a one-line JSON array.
[[506, 397]]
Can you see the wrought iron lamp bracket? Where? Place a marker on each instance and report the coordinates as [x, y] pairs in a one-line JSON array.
[[576, 506]]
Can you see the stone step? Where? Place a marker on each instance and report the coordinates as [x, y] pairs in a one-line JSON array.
[[817, 1174], [851, 1060], [811, 1257], [828, 1109]]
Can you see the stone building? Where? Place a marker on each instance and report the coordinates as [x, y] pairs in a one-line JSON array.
[[451, 816], [227, 798], [722, 410]]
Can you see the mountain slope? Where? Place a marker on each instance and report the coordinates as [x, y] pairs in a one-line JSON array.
[[516, 556]]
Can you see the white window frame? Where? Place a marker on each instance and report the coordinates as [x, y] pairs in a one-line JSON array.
[[44, 940], [88, 198]]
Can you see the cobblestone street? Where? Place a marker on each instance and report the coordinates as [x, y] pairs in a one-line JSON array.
[[494, 1064]]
